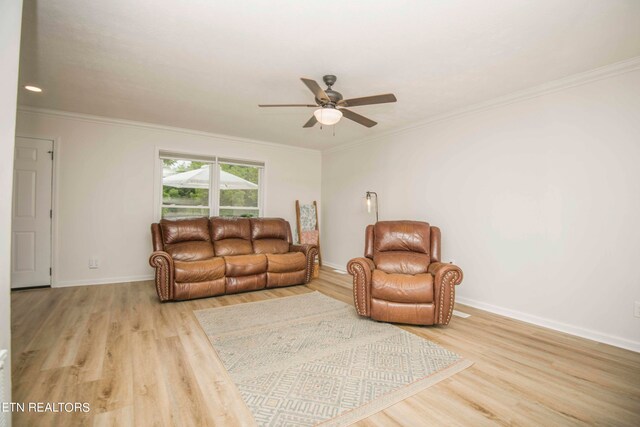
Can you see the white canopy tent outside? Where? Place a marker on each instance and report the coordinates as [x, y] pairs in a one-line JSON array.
[[200, 178]]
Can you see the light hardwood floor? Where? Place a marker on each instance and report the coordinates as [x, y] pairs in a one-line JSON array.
[[142, 363]]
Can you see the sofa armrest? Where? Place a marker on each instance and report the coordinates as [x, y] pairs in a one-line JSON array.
[[445, 278], [310, 252], [163, 263], [301, 248], [361, 269]]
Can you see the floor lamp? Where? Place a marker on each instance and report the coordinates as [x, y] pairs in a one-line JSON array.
[[368, 194]]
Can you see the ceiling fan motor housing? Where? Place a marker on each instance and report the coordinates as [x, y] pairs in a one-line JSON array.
[[333, 95]]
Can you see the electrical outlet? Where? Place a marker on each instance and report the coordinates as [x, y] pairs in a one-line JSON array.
[[94, 262], [636, 309]]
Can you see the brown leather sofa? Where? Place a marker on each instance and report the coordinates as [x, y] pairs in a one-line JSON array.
[[401, 279], [203, 257]]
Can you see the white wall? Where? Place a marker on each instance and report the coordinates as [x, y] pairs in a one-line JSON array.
[[10, 21], [538, 201], [104, 191]]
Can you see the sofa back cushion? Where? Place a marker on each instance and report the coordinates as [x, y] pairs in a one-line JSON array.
[[270, 235], [401, 246], [270, 246], [231, 236], [185, 230], [270, 228], [230, 228]]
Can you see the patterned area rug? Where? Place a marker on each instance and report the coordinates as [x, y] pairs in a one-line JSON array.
[[310, 359]]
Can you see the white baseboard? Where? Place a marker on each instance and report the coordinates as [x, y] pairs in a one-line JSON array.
[[336, 266], [552, 324], [89, 282], [461, 314]]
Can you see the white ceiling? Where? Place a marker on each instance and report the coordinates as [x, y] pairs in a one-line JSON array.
[[205, 65]]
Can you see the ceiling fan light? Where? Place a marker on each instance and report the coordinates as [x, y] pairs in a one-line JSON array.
[[328, 116]]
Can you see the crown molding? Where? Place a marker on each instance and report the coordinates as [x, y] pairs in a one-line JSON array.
[[553, 86], [144, 125]]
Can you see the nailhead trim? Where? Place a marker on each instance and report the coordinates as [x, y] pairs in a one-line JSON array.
[[449, 280], [162, 270], [311, 258], [359, 287]]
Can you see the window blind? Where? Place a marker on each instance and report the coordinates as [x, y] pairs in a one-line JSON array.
[[182, 156]]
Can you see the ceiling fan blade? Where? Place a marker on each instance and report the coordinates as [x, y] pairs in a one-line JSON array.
[[288, 105], [316, 89], [358, 118], [311, 123], [368, 100]]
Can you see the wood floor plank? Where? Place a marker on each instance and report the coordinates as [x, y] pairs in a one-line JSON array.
[[185, 397], [121, 417], [221, 394], [138, 362], [91, 349], [115, 388], [150, 390]]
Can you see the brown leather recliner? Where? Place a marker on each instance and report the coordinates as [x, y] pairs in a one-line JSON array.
[[401, 279], [202, 257]]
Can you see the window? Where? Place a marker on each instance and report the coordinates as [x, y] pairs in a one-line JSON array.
[[197, 186], [186, 185], [239, 190]]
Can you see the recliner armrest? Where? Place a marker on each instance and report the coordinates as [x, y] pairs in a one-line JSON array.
[[361, 269], [301, 248], [163, 263], [446, 277], [310, 252]]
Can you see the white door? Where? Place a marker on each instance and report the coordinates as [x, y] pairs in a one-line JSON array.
[[31, 218]]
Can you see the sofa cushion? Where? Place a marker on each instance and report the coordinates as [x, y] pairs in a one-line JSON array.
[[230, 228], [185, 230], [232, 247], [285, 263], [190, 251], [199, 271], [402, 262], [404, 288], [231, 236], [397, 312], [275, 280], [401, 236], [246, 283], [245, 265], [270, 228], [270, 246], [184, 291]]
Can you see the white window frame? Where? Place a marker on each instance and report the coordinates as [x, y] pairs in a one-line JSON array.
[[259, 165], [214, 179]]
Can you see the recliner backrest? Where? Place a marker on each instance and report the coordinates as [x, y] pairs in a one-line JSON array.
[[231, 236], [187, 239], [184, 230], [400, 246], [270, 235]]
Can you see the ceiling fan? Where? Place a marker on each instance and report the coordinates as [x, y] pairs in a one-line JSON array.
[[333, 106]]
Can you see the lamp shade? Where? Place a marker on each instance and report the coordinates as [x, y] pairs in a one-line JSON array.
[[328, 116]]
